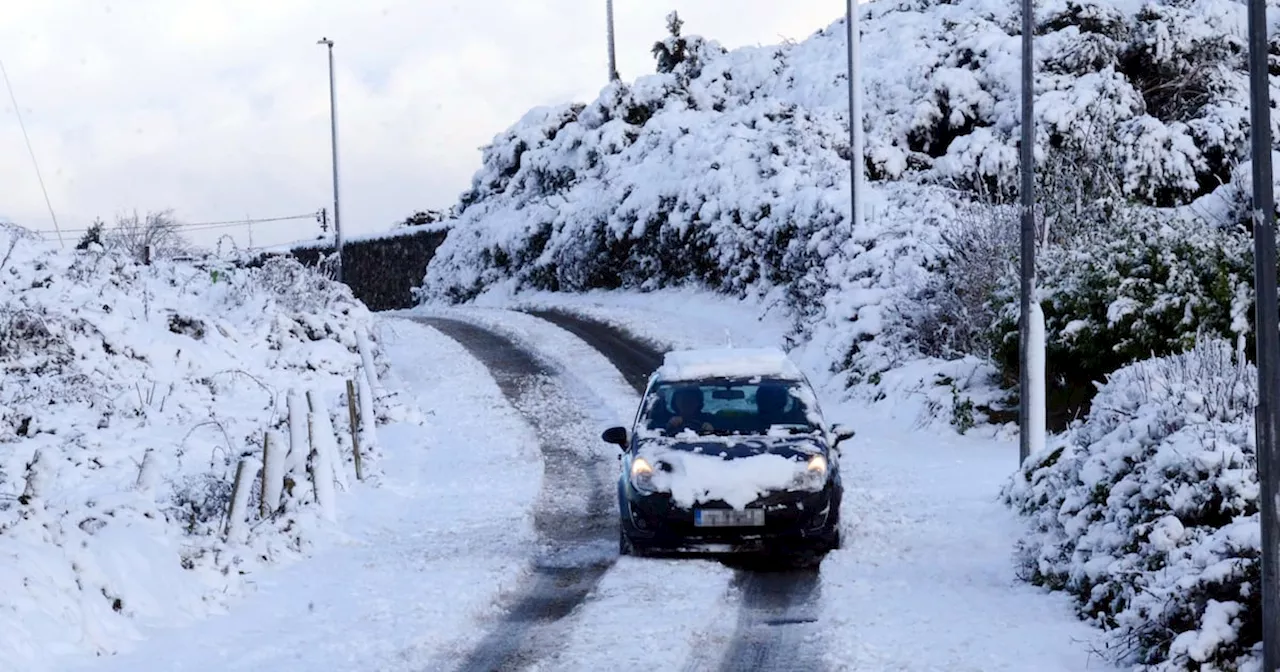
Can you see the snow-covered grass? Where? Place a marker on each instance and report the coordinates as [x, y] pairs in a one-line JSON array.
[[129, 396], [424, 558], [1148, 512]]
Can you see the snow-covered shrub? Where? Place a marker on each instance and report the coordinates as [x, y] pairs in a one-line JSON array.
[[1077, 195], [1140, 287], [733, 175], [128, 395], [683, 55], [981, 245], [1148, 512]]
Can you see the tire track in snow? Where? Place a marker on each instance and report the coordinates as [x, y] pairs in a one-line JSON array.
[[575, 513], [777, 619]]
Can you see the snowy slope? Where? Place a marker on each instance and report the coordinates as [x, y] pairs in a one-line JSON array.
[[129, 395], [729, 171]]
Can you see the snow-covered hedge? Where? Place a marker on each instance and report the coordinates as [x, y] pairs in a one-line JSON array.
[[729, 170], [1142, 286], [129, 395], [1148, 512]]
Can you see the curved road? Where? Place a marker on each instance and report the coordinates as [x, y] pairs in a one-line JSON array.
[[579, 542], [776, 627]]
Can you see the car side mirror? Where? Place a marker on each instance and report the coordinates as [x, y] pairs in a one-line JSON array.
[[842, 434], [616, 435]]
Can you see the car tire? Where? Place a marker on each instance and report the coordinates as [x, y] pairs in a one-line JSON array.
[[625, 547], [808, 559]]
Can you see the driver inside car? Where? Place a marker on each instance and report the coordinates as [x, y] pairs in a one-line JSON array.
[[771, 400], [687, 403]]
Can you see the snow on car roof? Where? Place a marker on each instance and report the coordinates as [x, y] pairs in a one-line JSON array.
[[728, 363]]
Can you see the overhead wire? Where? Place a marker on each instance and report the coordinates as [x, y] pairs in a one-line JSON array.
[[224, 224], [39, 177]]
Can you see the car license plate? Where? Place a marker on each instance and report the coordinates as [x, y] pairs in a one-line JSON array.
[[728, 517]]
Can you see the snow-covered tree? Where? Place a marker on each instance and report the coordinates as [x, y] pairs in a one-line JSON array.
[[158, 231]]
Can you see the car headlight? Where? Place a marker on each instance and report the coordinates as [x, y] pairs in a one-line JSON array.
[[814, 476], [642, 475]]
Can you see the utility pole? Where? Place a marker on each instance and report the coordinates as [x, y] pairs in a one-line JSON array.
[[613, 61], [853, 42], [333, 142], [1028, 255], [1268, 336]]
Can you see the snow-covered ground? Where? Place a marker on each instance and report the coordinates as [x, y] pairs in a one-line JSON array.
[[925, 578], [424, 558], [924, 582], [130, 396]]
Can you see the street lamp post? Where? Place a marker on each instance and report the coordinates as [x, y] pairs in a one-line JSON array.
[[613, 61], [1028, 254], [333, 143], [853, 44], [1266, 417]]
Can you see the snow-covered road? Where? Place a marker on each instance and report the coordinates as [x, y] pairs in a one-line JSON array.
[[440, 560]]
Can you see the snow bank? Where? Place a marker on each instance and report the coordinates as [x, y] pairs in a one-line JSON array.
[[728, 363], [130, 395], [1148, 512]]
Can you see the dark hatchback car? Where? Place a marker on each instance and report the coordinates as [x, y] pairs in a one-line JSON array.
[[729, 453]]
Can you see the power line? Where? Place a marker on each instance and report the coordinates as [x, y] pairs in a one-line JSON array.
[[224, 224], [40, 178]]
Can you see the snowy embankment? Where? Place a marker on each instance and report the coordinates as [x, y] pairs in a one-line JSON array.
[[130, 396], [728, 169], [926, 541], [425, 557]]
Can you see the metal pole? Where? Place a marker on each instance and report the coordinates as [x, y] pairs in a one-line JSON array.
[[1268, 325], [333, 142], [853, 45], [613, 62], [1028, 255]]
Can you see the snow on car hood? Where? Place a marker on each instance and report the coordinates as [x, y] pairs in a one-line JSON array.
[[736, 470]]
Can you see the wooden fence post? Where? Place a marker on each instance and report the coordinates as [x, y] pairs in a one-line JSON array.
[[239, 498], [355, 433]]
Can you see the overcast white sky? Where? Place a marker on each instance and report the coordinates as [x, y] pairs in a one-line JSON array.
[[219, 109]]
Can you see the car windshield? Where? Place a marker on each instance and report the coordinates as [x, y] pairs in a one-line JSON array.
[[724, 407]]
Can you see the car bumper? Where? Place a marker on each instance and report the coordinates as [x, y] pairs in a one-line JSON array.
[[792, 521]]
